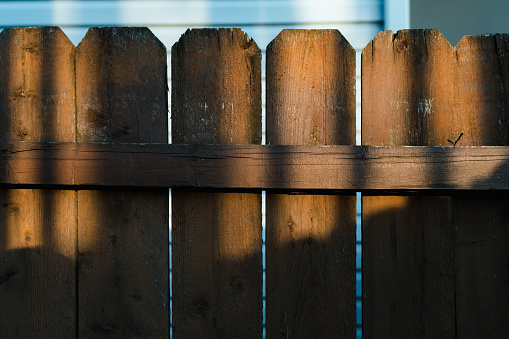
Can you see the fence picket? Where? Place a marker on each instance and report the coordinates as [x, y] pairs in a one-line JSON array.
[[310, 238], [407, 257], [481, 79], [216, 237], [121, 96], [37, 227], [424, 259]]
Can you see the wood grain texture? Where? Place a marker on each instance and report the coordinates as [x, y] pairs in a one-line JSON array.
[[312, 85], [310, 238], [441, 95], [408, 243], [216, 237], [481, 79], [37, 227], [292, 167], [123, 236], [407, 86], [482, 274], [407, 266], [481, 90], [224, 104], [122, 88]]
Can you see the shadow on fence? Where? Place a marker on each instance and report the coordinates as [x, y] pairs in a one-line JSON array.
[[435, 266], [38, 229]]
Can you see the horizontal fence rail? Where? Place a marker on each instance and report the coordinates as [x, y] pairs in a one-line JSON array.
[[292, 167]]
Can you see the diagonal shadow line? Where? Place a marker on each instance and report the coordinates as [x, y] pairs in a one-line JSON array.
[[386, 275], [459, 218], [306, 231], [121, 91], [480, 220], [216, 236]]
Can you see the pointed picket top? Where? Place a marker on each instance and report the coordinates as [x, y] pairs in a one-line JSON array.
[[121, 86], [310, 35], [402, 39], [37, 84], [310, 78], [482, 89], [407, 89], [216, 80]]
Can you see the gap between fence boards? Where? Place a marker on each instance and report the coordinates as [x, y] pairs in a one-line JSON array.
[[288, 167]]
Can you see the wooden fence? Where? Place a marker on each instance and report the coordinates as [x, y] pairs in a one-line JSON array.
[[85, 167]]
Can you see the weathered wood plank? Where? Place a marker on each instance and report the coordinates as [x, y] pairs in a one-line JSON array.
[[294, 167], [408, 242], [216, 237], [403, 290], [37, 227], [481, 270], [121, 96], [458, 268], [481, 96], [407, 90], [481, 90], [310, 238]]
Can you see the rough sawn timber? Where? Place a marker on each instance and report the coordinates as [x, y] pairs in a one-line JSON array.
[[310, 238], [216, 237], [123, 262], [37, 227], [293, 167], [436, 266]]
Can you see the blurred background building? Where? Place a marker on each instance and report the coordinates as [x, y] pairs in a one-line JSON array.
[[456, 18]]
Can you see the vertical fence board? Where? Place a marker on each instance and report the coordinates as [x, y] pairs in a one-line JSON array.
[[481, 96], [123, 273], [310, 238], [408, 247], [216, 237], [435, 266], [37, 227]]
